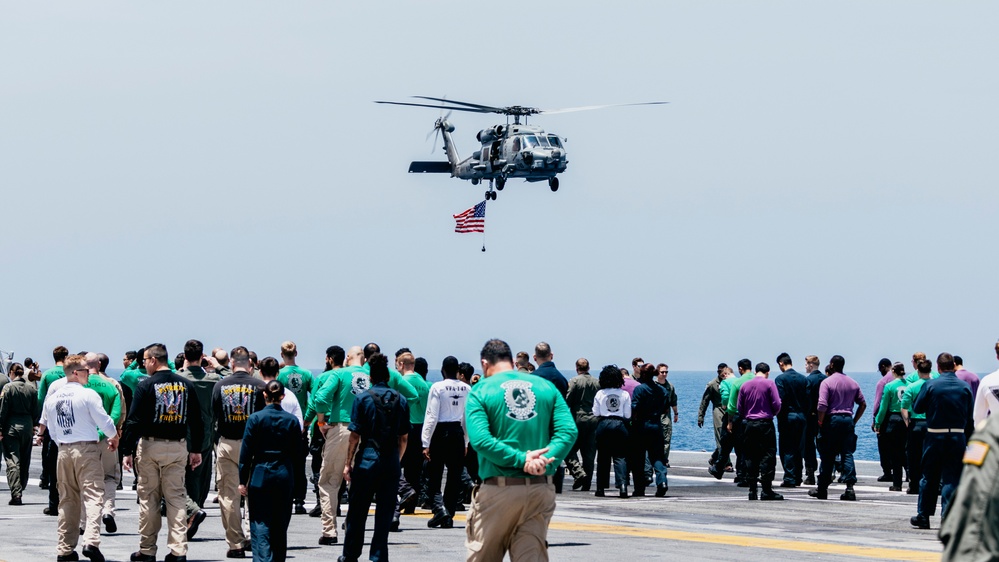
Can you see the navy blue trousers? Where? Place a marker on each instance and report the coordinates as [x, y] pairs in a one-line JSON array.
[[376, 475]]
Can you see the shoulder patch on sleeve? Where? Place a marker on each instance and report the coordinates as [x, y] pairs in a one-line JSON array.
[[976, 452]]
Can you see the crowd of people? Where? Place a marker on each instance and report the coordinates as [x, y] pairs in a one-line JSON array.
[[382, 434]]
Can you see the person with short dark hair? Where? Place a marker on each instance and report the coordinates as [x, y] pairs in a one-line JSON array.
[[612, 408], [271, 442], [335, 356], [792, 387], [947, 402], [522, 429], [667, 421], [379, 431], [885, 368], [164, 423], [837, 423], [18, 417], [759, 402], [198, 481], [583, 389], [712, 397], [50, 450], [888, 420], [735, 425], [234, 400], [648, 404], [915, 426], [444, 440]]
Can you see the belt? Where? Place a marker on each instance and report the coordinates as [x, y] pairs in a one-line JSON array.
[[506, 481], [949, 430], [844, 414], [164, 440], [760, 420], [79, 443]]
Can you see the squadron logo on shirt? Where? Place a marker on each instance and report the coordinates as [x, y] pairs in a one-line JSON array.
[[520, 400], [359, 383], [613, 404], [64, 415], [295, 382], [171, 403]]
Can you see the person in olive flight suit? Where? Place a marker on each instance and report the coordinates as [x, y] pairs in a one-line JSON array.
[[197, 481], [18, 416], [947, 402], [971, 530], [379, 431]]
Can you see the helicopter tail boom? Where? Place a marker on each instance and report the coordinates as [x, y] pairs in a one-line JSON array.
[[430, 168]]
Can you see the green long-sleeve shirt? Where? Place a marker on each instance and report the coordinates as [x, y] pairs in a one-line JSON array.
[[891, 401], [418, 407], [510, 413], [397, 383], [309, 415], [298, 381], [733, 392], [110, 398], [909, 396]]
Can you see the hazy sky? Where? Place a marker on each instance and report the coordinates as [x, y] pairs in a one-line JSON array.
[[823, 180]]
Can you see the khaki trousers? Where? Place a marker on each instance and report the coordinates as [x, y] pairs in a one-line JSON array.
[[227, 478], [79, 475], [331, 474], [109, 466], [509, 518], [161, 467]]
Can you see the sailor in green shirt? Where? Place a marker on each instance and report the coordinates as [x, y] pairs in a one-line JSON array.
[[111, 399], [333, 404], [734, 426], [890, 410], [293, 377], [412, 459], [521, 429], [914, 375], [299, 382], [335, 356], [916, 423], [396, 382], [50, 451]]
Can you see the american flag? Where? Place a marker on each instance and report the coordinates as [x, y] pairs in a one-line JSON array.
[[471, 220]]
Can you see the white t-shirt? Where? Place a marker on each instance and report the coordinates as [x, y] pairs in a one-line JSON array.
[[74, 413], [445, 403], [290, 404], [612, 402], [987, 399]]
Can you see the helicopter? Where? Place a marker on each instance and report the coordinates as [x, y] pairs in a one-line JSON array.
[[516, 150]]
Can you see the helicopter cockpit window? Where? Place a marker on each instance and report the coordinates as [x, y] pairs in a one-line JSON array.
[[531, 141], [516, 144], [553, 140]]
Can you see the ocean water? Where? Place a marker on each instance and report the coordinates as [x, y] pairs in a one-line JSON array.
[[689, 387]]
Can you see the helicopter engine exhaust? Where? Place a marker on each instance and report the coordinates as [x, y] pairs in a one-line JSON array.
[[489, 135]]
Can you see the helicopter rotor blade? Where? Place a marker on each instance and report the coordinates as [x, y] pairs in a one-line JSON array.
[[592, 107], [439, 107], [464, 103]]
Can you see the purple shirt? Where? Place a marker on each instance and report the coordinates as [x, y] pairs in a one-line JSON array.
[[630, 384], [879, 389], [970, 378], [838, 393], [758, 399]]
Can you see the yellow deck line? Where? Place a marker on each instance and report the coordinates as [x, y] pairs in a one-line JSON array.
[[737, 540]]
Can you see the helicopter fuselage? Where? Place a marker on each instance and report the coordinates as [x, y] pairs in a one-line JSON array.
[[513, 151]]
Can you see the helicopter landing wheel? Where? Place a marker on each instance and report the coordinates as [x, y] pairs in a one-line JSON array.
[[490, 195], [500, 183], [553, 184]]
